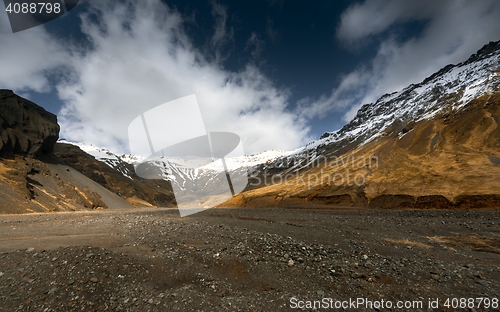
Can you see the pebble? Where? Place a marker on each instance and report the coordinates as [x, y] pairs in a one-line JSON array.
[[291, 263], [94, 280]]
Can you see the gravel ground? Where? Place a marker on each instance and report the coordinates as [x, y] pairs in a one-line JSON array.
[[246, 259]]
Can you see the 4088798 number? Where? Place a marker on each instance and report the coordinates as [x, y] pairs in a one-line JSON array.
[[462, 303], [33, 8]]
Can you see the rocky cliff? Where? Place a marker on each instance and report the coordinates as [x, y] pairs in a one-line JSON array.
[[25, 128], [38, 175]]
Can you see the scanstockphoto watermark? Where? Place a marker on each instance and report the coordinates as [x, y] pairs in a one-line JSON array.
[[355, 303], [382, 304], [333, 170]]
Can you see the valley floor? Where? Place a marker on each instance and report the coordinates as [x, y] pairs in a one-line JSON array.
[[248, 259]]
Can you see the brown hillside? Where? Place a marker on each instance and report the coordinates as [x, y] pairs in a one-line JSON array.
[[450, 161]]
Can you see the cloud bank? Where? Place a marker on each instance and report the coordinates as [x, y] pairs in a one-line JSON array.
[[142, 58]]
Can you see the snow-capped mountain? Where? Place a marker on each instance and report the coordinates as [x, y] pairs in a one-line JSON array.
[[115, 161], [447, 91], [435, 144], [446, 113], [176, 171]]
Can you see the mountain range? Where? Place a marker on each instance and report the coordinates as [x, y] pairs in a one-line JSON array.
[[435, 144]]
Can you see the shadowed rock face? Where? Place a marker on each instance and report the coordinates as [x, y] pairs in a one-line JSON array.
[[25, 128]]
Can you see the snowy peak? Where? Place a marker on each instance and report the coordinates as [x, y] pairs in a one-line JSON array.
[[435, 145], [117, 162], [447, 91], [175, 170], [451, 88]]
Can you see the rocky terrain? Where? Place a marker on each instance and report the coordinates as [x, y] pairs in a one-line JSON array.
[[70, 180], [245, 259], [119, 178]]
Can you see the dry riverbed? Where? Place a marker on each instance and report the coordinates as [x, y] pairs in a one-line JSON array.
[[245, 259]]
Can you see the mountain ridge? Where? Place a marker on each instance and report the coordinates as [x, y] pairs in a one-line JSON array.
[[454, 110], [441, 96], [435, 144]]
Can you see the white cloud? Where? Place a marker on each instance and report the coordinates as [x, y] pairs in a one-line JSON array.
[[151, 61], [27, 57], [375, 16], [453, 30]]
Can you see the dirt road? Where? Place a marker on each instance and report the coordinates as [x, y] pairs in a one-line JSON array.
[[248, 260]]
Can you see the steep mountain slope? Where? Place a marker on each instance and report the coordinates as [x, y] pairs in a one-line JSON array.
[[69, 179], [28, 132], [38, 175], [119, 178], [31, 185], [432, 144]]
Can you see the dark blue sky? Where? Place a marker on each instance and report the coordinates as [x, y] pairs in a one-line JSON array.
[[282, 72], [299, 50]]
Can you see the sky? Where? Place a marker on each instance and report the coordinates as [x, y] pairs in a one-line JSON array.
[[277, 73]]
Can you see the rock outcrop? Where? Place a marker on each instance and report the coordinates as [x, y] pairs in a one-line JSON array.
[[25, 128]]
